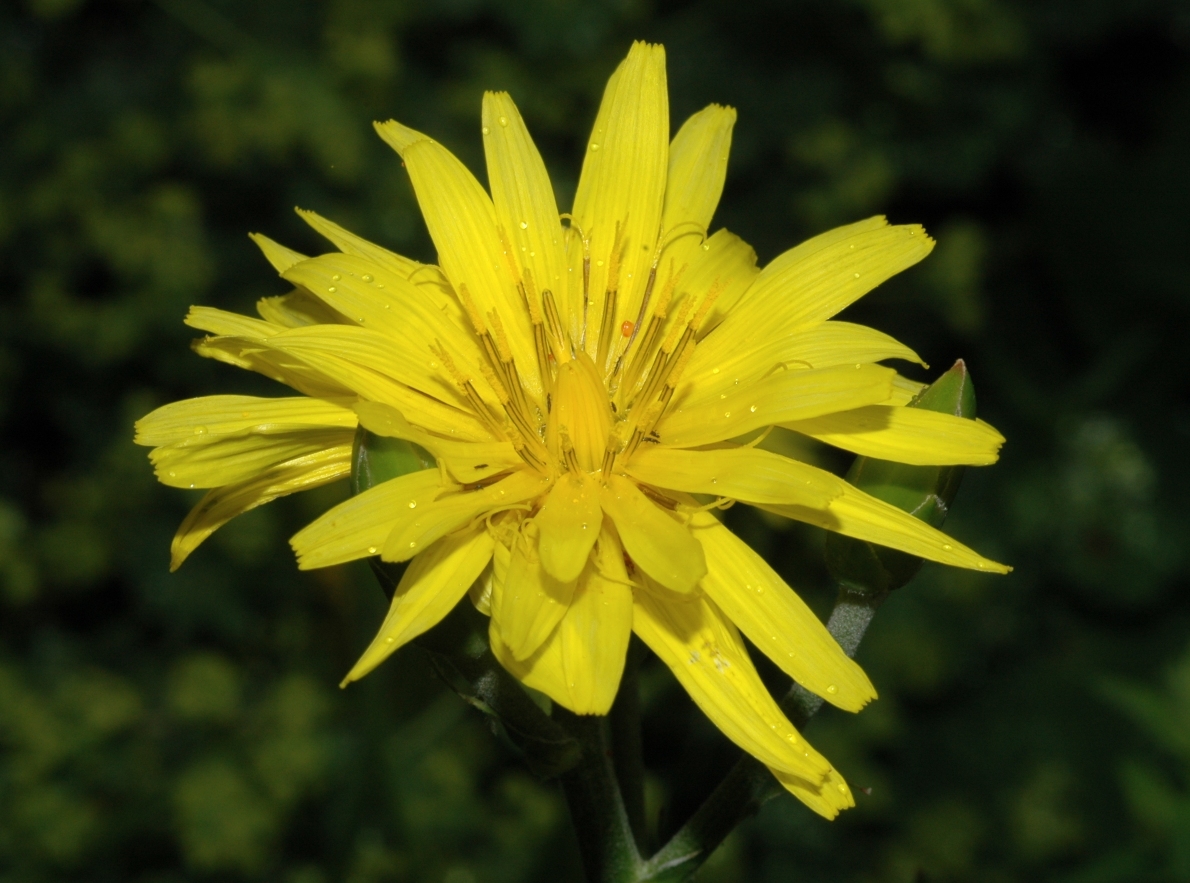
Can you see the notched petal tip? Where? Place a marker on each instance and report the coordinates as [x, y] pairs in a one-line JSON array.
[[398, 136]]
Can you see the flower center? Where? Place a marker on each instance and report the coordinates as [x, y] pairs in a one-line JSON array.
[[592, 411], [580, 417]]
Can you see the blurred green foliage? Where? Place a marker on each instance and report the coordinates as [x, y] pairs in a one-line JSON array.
[[164, 728]]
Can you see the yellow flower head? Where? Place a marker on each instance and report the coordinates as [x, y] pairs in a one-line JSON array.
[[579, 378]]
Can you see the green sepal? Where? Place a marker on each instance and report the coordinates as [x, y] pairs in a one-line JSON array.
[[926, 492], [458, 646]]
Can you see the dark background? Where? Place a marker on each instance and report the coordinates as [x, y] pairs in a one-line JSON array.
[[188, 727]]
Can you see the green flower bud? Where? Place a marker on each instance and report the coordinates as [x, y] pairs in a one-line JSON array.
[[926, 492]]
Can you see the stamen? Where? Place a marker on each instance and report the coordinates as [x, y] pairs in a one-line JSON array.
[[472, 312], [610, 300], [553, 321]]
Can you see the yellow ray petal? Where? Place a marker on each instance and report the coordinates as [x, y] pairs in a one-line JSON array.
[[623, 182], [528, 603], [697, 168], [275, 253], [708, 657], [210, 416], [358, 527], [468, 462], [906, 435], [298, 309], [827, 799], [522, 194], [420, 409], [398, 136], [747, 474], [416, 367], [252, 356], [417, 528], [904, 391], [810, 283], [724, 262], [823, 346], [775, 619], [221, 505], [374, 296], [860, 515], [580, 665], [200, 461], [435, 581], [657, 541], [462, 223], [786, 395], [569, 525], [222, 322], [349, 243]]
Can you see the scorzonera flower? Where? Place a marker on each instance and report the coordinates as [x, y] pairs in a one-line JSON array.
[[591, 386]]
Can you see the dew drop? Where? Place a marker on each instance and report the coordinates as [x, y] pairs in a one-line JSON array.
[[413, 544], [842, 788], [380, 285], [760, 590], [332, 289], [714, 481], [857, 275], [727, 413], [584, 525], [200, 430], [372, 550], [367, 277], [503, 121], [706, 247], [946, 547], [172, 473], [413, 504], [336, 278], [388, 306], [192, 484], [792, 738], [524, 225], [714, 370], [488, 131], [594, 147], [832, 689], [599, 263], [753, 409]]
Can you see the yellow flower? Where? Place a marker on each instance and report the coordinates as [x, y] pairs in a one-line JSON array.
[[580, 379]]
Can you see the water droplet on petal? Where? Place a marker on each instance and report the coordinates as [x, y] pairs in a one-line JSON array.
[[714, 370], [372, 550], [753, 409], [503, 121], [336, 278], [389, 640], [857, 275], [832, 689], [413, 544], [727, 413], [594, 147], [413, 504], [946, 547], [172, 473], [842, 788], [524, 225], [367, 277], [200, 430], [488, 131], [332, 289]]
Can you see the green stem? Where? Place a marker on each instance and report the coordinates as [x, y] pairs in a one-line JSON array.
[[627, 756], [749, 784], [605, 837]]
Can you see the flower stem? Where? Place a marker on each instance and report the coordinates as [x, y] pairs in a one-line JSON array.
[[605, 836], [625, 733]]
